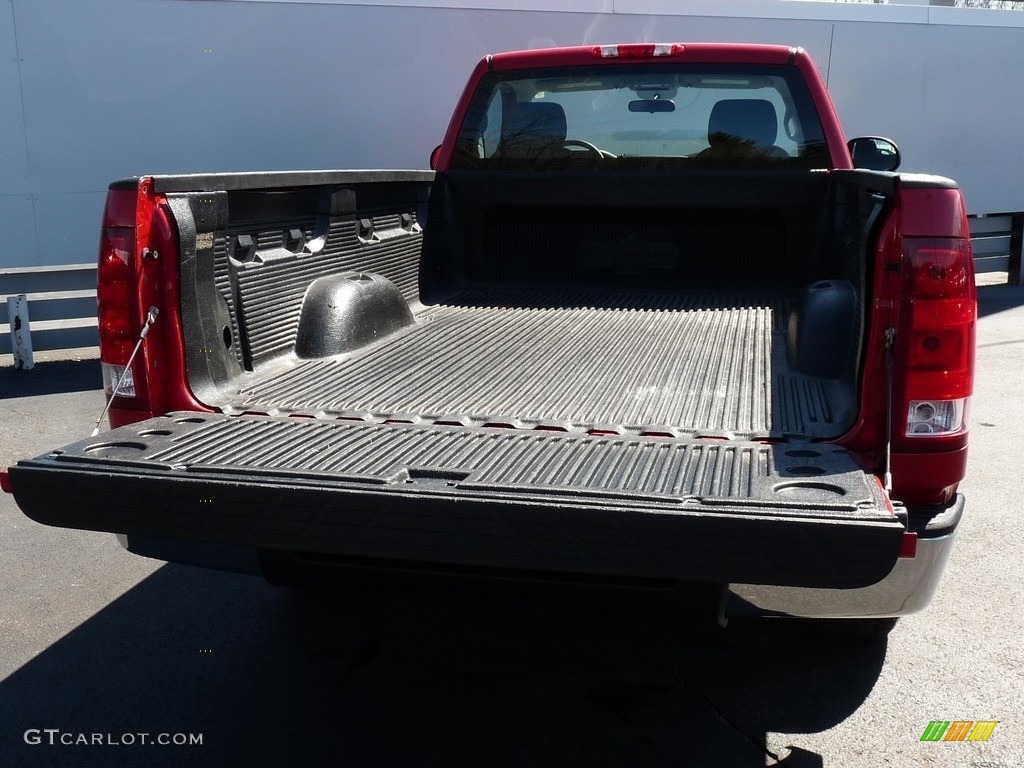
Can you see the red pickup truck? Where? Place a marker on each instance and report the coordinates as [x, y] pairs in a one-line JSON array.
[[649, 318]]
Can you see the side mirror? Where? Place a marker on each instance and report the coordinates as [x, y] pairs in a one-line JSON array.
[[874, 153], [434, 157]]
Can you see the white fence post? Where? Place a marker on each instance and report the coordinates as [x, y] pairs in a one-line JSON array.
[[21, 338]]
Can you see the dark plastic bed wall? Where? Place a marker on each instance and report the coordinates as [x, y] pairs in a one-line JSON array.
[[822, 329]]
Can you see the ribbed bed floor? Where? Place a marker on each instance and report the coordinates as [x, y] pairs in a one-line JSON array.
[[678, 364]]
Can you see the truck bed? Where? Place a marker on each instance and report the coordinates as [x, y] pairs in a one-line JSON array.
[[697, 309], [626, 363]]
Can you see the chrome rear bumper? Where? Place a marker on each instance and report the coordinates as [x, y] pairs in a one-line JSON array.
[[908, 588]]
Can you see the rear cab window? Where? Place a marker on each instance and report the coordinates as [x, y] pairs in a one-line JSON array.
[[627, 116]]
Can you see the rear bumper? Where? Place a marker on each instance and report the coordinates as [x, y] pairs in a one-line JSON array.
[[908, 588]]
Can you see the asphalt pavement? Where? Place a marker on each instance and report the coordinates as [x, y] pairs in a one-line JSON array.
[[95, 642]]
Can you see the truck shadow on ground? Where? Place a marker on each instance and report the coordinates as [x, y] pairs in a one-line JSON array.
[[421, 678], [51, 378], [993, 299]]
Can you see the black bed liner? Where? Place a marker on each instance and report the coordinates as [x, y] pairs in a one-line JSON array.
[[709, 510], [710, 365], [538, 301]]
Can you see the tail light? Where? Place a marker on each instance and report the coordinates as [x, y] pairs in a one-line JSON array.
[[120, 283], [113, 296], [939, 352]]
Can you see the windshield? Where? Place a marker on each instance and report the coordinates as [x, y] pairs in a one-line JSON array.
[[643, 116]]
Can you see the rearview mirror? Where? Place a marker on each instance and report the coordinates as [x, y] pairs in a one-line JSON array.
[[652, 105], [874, 153], [434, 156]]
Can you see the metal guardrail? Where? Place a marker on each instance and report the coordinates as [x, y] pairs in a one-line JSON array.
[[998, 241], [54, 308], [48, 308]]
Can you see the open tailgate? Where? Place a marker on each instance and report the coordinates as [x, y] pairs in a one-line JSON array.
[[707, 510]]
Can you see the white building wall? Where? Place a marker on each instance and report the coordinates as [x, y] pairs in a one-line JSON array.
[[98, 90]]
